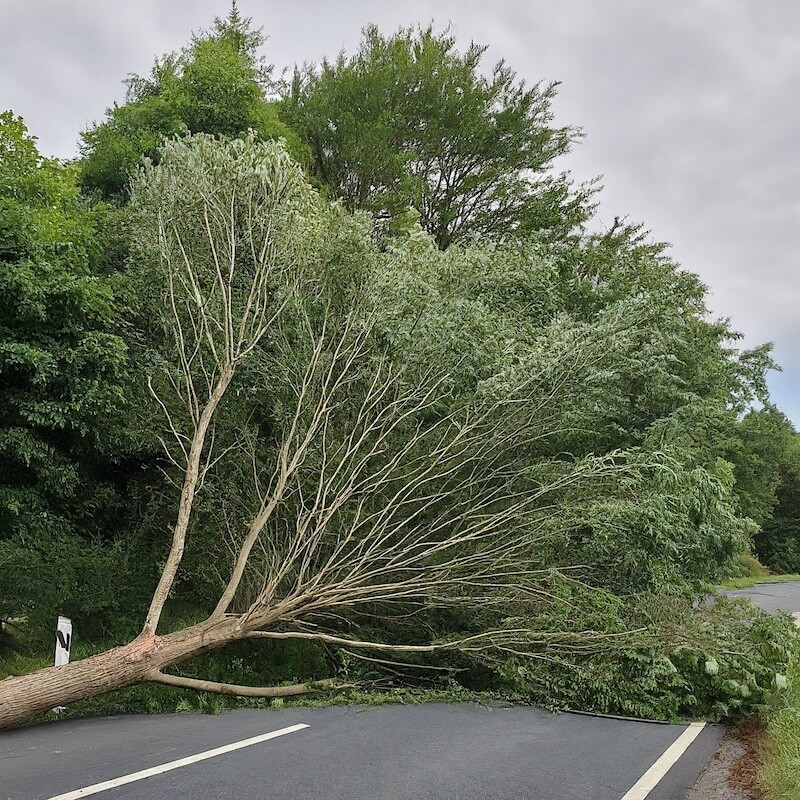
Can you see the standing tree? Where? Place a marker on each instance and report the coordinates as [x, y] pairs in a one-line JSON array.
[[218, 84], [409, 122], [765, 451], [778, 543], [363, 501], [62, 382]]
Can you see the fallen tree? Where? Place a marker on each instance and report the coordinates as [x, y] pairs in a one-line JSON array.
[[370, 496]]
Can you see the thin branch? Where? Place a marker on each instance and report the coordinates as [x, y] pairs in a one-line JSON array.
[[338, 640], [329, 684]]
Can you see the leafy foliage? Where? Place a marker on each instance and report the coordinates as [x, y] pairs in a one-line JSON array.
[[711, 663], [759, 449], [215, 85], [778, 544], [409, 122], [62, 377], [764, 449], [649, 371]]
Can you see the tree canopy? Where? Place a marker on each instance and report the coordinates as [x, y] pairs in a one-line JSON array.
[[409, 122], [62, 377], [217, 84]]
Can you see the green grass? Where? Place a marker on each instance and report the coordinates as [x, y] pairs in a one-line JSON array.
[[780, 773], [748, 582]]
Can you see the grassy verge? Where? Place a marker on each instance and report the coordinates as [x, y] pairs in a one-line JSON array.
[[780, 771], [748, 582]]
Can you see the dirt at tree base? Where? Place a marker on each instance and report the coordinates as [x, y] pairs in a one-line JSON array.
[[732, 772]]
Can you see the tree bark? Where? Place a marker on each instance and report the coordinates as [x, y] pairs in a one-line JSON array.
[[188, 492], [238, 690], [26, 696]]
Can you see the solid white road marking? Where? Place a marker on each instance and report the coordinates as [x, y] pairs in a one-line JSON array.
[[170, 765], [651, 778]]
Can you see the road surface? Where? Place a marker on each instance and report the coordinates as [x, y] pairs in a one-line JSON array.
[[773, 597], [426, 752]]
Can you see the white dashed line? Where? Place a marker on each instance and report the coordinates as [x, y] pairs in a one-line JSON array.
[[668, 758], [170, 765]]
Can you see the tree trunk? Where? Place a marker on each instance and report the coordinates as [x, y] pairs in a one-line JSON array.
[[26, 696]]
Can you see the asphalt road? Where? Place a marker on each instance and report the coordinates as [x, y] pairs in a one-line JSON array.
[[427, 752], [784, 596]]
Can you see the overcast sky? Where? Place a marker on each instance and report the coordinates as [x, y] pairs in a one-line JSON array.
[[691, 109]]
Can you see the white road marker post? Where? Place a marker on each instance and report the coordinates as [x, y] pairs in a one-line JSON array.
[[63, 640], [63, 644]]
